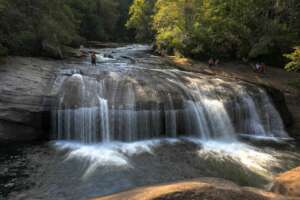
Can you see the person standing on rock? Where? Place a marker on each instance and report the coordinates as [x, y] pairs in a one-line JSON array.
[[94, 59], [211, 62]]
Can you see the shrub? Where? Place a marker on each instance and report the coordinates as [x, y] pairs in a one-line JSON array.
[[294, 57]]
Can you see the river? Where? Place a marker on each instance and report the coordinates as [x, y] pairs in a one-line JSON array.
[[135, 120]]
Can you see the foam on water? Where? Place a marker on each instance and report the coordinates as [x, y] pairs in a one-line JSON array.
[[267, 138], [118, 154], [103, 58], [106, 154], [248, 156]]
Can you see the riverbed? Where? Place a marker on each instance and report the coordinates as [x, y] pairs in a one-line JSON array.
[[135, 120]]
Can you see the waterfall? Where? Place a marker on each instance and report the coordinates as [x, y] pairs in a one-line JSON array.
[[104, 120], [123, 106], [119, 101]]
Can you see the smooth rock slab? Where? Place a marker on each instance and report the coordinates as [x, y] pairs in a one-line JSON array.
[[199, 189]]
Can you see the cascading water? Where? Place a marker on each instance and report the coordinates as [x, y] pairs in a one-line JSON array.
[[133, 120], [117, 103]]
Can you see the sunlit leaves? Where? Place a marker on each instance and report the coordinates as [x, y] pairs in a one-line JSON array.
[[294, 57], [140, 20], [252, 29]]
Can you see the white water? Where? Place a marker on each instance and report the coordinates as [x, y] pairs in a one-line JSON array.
[[124, 110], [119, 154], [106, 154], [135, 102], [248, 156]]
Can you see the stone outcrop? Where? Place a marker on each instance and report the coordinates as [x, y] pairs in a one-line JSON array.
[[288, 183], [24, 98], [26, 84], [199, 189]]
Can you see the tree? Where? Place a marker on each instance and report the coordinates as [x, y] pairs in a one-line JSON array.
[[45, 27], [121, 33], [3, 50], [34, 27], [140, 19], [234, 29]]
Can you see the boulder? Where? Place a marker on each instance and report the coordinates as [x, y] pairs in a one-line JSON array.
[[288, 183], [52, 50], [199, 189]]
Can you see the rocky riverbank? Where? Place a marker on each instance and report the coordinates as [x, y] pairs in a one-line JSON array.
[[288, 183], [204, 188], [286, 186], [25, 98]]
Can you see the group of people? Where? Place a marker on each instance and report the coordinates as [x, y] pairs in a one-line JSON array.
[[259, 67], [213, 62]]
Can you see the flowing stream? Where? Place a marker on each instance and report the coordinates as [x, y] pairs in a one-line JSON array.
[[139, 101], [135, 120]]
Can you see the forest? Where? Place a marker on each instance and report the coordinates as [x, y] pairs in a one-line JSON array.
[[235, 29], [48, 27], [267, 30]]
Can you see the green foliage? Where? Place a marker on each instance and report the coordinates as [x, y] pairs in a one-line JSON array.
[[294, 57], [240, 29], [29, 27], [121, 33], [44, 27], [96, 18], [255, 29], [140, 19]]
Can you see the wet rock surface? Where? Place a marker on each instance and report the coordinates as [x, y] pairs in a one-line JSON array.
[[15, 168], [28, 88]]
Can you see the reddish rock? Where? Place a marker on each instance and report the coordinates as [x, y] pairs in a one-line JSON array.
[[200, 189], [288, 183]]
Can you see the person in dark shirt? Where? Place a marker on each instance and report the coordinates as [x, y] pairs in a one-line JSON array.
[[94, 59]]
